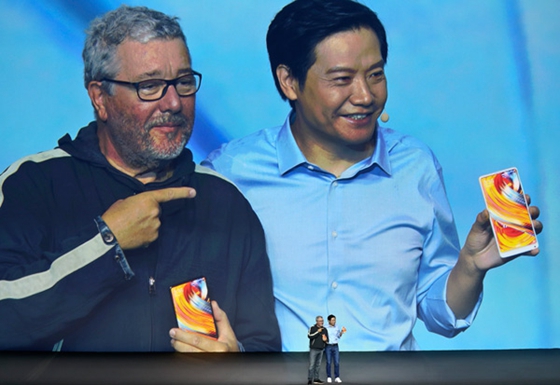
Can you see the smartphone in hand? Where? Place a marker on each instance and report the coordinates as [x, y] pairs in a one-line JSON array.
[[193, 308], [509, 213]]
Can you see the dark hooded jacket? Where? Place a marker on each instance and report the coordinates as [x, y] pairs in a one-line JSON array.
[[63, 282]]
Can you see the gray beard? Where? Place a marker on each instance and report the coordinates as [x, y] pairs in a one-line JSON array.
[[149, 159], [136, 148]]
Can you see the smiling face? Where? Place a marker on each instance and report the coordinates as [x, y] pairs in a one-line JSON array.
[[344, 93], [136, 135]]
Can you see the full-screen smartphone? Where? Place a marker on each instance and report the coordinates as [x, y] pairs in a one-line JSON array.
[[193, 308], [509, 212]]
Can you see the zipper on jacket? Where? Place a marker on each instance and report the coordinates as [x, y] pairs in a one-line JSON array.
[[152, 286]]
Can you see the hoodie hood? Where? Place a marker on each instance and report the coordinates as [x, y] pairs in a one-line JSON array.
[[86, 147]]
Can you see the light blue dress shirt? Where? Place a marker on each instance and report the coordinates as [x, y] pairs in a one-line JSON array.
[[374, 246], [334, 334]]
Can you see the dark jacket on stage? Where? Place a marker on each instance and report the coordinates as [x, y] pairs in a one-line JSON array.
[[315, 337]]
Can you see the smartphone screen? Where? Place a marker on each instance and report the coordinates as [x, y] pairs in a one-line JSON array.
[[193, 308], [509, 212]]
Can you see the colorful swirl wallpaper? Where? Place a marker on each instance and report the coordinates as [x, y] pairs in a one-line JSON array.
[[507, 206], [193, 308]]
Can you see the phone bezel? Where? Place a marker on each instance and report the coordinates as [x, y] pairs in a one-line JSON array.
[[198, 331], [518, 250]]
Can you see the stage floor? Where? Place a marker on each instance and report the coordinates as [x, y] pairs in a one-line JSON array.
[[428, 367]]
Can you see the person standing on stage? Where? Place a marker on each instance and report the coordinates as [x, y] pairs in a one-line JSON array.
[[331, 350], [318, 338]]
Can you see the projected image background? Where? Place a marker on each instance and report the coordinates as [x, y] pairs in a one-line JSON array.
[[477, 81]]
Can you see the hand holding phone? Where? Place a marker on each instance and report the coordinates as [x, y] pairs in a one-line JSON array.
[[188, 342], [509, 213], [193, 308]]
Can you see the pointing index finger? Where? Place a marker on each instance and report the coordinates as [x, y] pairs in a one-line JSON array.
[[172, 193]]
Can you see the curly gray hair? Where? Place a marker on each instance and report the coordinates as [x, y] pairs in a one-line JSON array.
[[105, 33]]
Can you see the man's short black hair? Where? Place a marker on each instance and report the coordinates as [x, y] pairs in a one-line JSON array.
[[330, 317], [296, 30]]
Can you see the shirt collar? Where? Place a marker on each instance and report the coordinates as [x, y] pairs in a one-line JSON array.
[[290, 156], [288, 152]]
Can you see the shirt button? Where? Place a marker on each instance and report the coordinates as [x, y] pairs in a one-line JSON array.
[[310, 167], [334, 234], [334, 285], [335, 183]]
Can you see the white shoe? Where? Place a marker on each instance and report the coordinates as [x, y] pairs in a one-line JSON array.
[[329, 379], [337, 379]]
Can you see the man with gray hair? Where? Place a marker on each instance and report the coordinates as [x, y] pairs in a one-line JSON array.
[[96, 231], [318, 339]]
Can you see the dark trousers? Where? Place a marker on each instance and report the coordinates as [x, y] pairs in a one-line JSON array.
[[315, 357], [333, 356]]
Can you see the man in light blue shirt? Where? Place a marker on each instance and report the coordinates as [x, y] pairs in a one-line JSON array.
[[332, 352], [356, 217]]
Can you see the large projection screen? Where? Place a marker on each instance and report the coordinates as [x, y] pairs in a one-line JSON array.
[[478, 81]]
